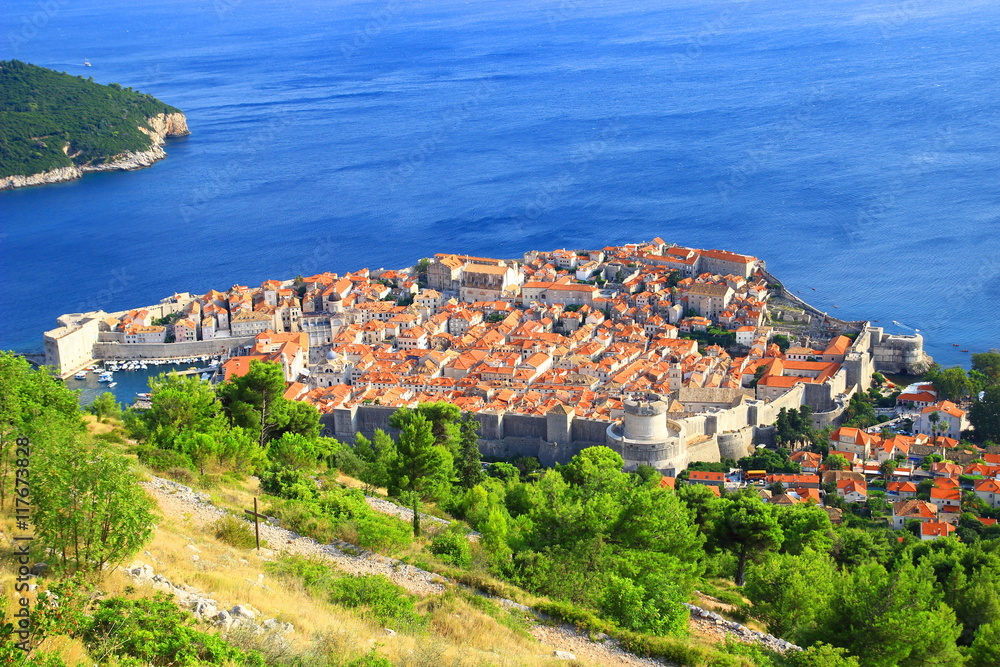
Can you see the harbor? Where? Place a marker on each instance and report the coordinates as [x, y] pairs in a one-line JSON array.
[[128, 381]]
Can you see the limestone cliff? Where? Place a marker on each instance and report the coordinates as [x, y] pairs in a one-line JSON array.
[[160, 127]]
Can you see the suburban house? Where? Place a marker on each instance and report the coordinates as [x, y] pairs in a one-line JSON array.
[[910, 510], [950, 422]]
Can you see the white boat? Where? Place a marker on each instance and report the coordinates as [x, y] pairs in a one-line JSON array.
[[143, 366], [106, 377], [112, 385], [82, 375]]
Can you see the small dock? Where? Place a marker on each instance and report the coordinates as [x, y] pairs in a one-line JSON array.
[[193, 371]]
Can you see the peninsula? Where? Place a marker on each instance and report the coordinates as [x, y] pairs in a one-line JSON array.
[[57, 126], [667, 354]]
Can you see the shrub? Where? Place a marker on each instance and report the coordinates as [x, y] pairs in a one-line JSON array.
[[181, 475], [382, 533], [161, 460], [370, 659], [377, 598], [287, 483], [112, 437], [346, 461], [452, 546], [156, 632], [234, 532], [654, 609]]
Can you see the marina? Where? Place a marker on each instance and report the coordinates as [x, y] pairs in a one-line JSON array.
[[129, 381]]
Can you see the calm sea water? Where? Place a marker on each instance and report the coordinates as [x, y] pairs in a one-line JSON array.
[[851, 144], [127, 383]]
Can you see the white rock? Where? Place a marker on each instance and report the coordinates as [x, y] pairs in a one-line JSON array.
[[563, 655], [390, 632], [243, 611]]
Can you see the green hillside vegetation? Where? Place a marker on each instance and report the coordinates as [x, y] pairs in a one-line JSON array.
[[44, 114], [609, 551]]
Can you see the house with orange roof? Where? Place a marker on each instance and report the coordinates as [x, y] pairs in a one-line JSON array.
[[809, 461], [854, 440], [945, 469], [988, 490], [931, 530], [912, 510], [135, 334], [852, 491], [947, 500], [951, 420], [794, 480], [185, 331], [901, 490], [707, 478]]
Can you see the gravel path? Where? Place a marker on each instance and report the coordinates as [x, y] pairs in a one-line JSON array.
[[606, 652], [179, 500], [176, 500]]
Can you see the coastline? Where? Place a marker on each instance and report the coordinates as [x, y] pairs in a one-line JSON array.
[[162, 126]]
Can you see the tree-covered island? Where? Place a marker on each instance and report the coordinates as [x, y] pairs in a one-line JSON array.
[[55, 126]]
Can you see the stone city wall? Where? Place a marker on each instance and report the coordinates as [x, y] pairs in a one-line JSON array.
[[169, 350]]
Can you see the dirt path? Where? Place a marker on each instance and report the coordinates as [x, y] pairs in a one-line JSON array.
[[177, 500]]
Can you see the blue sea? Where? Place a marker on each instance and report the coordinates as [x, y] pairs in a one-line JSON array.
[[853, 145]]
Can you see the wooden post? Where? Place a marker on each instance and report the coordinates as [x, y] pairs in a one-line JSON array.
[[256, 525]]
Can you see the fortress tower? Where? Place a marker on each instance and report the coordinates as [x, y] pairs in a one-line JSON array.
[[646, 436]]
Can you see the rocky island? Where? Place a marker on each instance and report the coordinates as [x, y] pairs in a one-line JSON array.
[[57, 126]]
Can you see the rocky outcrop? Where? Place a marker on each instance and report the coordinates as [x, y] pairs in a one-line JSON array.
[[43, 178], [205, 608], [741, 632], [161, 127]]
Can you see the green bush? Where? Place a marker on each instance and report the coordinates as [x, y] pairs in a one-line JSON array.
[[377, 598], [655, 609], [346, 461], [370, 659], [234, 532], [156, 632], [382, 533], [112, 437], [163, 459], [452, 546], [287, 483]]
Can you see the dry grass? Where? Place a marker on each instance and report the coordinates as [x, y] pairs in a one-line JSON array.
[[94, 426], [460, 634]]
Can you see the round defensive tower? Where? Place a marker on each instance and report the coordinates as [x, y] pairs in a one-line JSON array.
[[645, 420], [645, 436]]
